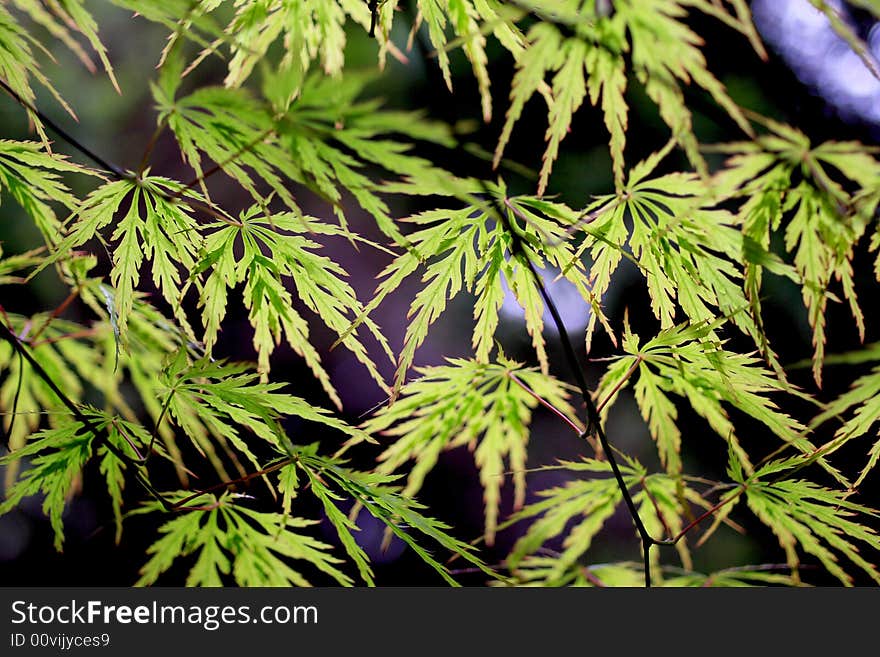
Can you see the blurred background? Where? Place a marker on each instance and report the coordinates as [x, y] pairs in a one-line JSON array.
[[812, 80]]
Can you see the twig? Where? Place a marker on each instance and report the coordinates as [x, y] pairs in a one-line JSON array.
[[109, 167], [594, 422], [102, 436]]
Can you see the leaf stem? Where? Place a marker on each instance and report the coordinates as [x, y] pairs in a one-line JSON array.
[[619, 384], [55, 314], [562, 416], [151, 144], [179, 506], [701, 518]]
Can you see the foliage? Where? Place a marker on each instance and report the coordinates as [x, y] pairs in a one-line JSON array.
[[464, 403], [130, 383]]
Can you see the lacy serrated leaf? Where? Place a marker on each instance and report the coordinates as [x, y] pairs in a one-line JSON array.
[[334, 138], [269, 254], [19, 67], [236, 132], [536, 570], [783, 175], [56, 458], [687, 247], [137, 375], [402, 515], [12, 266], [252, 548], [863, 399], [688, 362], [71, 364], [155, 226], [464, 17], [343, 524], [309, 31], [818, 520], [214, 402], [31, 175], [739, 576], [485, 406], [472, 249], [579, 509], [663, 504], [66, 17], [585, 49]]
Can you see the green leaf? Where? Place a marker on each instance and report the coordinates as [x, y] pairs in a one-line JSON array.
[[236, 132], [19, 67], [464, 18], [251, 548], [818, 520], [688, 248], [587, 50], [472, 249], [58, 458], [487, 407], [400, 513], [309, 31], [71, 362], [691, 364], [155, 227], [738, 576], [536, 570], [785, 177], [218, 403], [268, 254], [335, 139], [55, 460], [863, 400], [74, 17], [578, 509], [344, 525], [31, 175]]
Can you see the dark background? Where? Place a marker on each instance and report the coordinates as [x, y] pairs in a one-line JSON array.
[[118, 127]]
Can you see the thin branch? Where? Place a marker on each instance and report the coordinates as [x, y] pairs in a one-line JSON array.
[[151, 144], [109, 167], [14, 413], [374, 16], [102, 436], [161, 417], [594, 422], [223, 485]]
